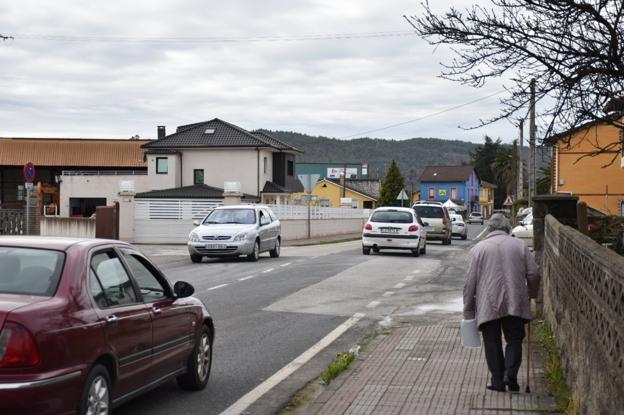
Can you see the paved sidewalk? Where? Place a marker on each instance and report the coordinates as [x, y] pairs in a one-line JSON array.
[[425, 370]]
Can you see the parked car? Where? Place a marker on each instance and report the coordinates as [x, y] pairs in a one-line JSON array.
[[524, 230], [523, 213], [475, 217], [459, 226], [232, 231], [86, 324], [438, 220], [394, 228]]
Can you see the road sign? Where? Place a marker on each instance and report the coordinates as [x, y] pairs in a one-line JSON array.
[[308, 181], [29, 172], [508, 201], [402, 195], [30, 185]]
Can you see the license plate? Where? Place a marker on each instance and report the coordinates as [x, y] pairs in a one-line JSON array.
[[215, 246], [429, 228], [388, 230]]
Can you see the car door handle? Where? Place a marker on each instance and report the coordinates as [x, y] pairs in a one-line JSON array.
[[111, 319], [156, 310]]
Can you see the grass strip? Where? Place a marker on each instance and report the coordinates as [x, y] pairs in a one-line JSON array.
[[554, 374], [339, 365]]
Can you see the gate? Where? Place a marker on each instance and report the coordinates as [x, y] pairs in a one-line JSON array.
[[161, 221], [12, 222]]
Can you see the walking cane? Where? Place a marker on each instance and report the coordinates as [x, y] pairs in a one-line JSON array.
[[528, 365]]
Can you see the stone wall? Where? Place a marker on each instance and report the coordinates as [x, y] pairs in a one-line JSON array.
[[584, 301]]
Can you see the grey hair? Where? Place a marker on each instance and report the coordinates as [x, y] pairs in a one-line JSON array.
[[498, 222]]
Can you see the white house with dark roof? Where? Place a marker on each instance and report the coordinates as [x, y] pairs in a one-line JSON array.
[[214, 152]]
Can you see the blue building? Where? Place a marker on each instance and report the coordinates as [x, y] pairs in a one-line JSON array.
[[461, 184]]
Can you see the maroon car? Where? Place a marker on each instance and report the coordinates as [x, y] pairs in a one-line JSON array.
[[86, 324]]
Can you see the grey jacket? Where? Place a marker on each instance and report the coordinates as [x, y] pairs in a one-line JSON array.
[[501, 277]]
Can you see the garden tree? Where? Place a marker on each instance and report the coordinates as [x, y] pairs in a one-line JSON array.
[[543, 183], [504, 167], [574, 49], [391, 187], [483, 157]]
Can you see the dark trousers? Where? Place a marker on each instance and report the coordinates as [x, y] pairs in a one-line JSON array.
[[504, 368]]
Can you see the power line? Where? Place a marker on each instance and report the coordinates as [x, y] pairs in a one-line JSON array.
[[423, 117], [213, 39]]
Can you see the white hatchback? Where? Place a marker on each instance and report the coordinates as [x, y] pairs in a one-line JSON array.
[[394, 228]]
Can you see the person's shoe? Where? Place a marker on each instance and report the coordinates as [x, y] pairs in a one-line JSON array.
[[496, 388], [512, 386]]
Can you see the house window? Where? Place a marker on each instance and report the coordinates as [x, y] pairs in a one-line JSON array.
[[291, 168], [162, 165], [453, 193], [266, 162], [431, 193], [198, 176]]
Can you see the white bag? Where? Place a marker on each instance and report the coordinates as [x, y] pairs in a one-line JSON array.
[[470, 333]]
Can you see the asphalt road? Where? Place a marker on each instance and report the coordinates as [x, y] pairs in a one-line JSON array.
[[269, 312]]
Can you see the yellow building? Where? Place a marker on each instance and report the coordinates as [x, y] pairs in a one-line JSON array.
[[597, 180], [486, 198], [328, 193]]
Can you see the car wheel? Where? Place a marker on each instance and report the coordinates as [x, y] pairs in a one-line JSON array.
[[464, 237], [275, 252], [198, 364], [376, 250], [423, 250], [416, 252], [196, 258], [481, 222], [450, 240], [255, 254], [97, 393], [366, 251]]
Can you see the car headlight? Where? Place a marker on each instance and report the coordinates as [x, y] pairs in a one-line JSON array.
[[240, 237], [194, 237]]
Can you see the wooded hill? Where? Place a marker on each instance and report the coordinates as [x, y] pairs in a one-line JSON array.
[[412, 155]]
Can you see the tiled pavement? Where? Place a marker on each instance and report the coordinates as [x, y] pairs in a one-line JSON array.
[[425, 370]]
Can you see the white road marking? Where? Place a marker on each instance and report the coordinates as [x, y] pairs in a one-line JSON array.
[[248, 277], [373, 304], [416, 271], [409, 278], [388, 293], [243, 403], [399, 286], [286, 264], [268, 270], [217, 287], [481, 234]]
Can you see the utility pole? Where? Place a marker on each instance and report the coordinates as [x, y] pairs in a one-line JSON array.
[[532, 145], [520, 175]]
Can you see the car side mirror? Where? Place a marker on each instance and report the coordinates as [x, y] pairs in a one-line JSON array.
[[196, 223], [183, 289], [426, 223]]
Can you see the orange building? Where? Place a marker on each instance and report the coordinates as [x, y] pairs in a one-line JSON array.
[[597, 180]]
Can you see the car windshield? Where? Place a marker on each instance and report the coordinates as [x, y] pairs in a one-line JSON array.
[[528, 220], [475, 214], [235, 216], [391, 216], [30, 271], [433, 212]]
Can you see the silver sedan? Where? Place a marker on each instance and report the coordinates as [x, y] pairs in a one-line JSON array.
[[232, 231]]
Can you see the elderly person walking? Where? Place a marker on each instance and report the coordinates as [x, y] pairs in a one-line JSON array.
[[501, 277]]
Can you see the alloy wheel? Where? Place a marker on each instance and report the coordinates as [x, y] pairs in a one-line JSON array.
[[98, 401], [203, 357]]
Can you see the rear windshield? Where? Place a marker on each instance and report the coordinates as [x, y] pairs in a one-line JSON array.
[[434, 212], [388, 216], [29, 271], [234, 216], [475, 214]]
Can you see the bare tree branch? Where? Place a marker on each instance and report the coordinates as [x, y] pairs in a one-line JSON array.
[[574, 49]]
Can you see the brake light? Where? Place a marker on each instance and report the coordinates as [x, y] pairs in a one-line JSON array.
[[413, 228], [368, 227], [17, 347]]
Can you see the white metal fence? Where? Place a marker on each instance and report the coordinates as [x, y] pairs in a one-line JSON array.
[[171, 220], [301, 212]]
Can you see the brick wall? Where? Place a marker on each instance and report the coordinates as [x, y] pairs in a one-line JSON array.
[[584, 301]]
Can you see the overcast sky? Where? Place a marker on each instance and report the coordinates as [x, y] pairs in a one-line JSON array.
[[123, 69]]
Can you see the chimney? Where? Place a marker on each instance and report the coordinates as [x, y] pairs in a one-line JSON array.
[[161, 132]]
